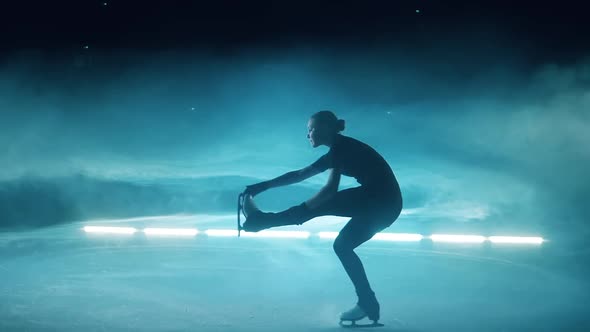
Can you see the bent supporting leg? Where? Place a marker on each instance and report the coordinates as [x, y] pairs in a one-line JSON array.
[[355, 233]]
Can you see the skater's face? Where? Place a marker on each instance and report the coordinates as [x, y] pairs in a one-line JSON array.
[[317, 133]]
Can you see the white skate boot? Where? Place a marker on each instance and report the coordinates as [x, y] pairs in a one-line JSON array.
[[256, 220], [249, 206], [354, 314]]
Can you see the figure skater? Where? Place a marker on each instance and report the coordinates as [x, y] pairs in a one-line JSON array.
[[372, 206]]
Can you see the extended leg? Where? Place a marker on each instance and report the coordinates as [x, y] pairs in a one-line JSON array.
[[345, 203], [257, 220]]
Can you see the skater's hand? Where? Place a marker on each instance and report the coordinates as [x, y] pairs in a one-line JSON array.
[[256, 189]]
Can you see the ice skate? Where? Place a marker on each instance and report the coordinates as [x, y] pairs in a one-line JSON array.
[[256, 220], [353, 315], [250, 207]]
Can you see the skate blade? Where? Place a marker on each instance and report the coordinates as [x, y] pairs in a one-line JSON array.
[[240, 211], [354, 324]]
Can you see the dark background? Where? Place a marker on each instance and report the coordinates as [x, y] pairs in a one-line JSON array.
[[547, 30], [134, 89]]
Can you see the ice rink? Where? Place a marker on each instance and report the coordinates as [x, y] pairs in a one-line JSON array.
[[64, 278], [123, 122]]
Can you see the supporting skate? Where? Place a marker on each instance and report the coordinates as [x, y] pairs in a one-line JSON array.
[[353, 315]]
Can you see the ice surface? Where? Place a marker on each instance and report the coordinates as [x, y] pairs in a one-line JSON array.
[[63, 279]]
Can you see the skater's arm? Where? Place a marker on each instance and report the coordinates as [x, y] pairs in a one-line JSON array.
[[326, 192], [323, 195]]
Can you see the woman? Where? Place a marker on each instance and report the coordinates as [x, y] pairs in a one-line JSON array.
[[373, 206]]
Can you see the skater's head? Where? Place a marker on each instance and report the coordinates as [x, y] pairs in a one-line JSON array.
[[323, 127]]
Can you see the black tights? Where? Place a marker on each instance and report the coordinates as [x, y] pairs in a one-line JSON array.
[[370, 210]]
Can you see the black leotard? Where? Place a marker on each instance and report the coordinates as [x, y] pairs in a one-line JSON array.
[[354, 158]]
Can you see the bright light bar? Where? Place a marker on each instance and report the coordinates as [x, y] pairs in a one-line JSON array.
[[516, 239], [398, 237], [221, 232], [328, 235], [278, 234], [171, 231], [116, 230], [457, 238], [405, 237]]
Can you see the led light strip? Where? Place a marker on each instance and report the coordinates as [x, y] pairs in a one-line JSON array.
[[170, 231], [398, 237], [221, 232], [278, 234], [112, 230], [457, 238], [516, 239], [401, 237]]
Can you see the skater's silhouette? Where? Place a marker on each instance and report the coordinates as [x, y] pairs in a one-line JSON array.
[[372, 206]]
